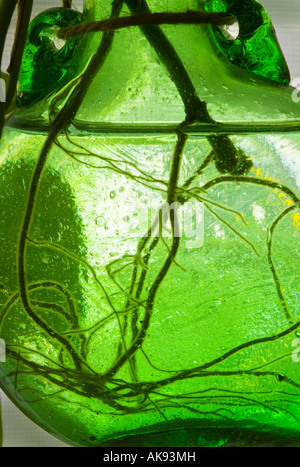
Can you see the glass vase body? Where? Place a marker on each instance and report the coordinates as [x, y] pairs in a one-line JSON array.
[[150, 244]]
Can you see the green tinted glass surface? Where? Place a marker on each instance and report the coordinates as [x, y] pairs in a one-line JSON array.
[[149, 282]]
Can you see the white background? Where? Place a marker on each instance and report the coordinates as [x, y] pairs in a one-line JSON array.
[[285, 14]]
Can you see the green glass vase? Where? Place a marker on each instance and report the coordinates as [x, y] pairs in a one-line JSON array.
[[149, 229]]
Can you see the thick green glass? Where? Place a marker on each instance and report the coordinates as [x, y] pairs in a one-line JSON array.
[[149, 232]]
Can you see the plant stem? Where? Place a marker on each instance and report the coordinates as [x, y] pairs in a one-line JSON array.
[[227, 157], [24, 14], [7, 9]]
